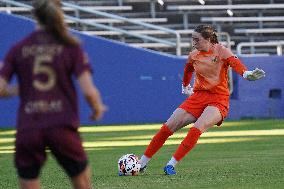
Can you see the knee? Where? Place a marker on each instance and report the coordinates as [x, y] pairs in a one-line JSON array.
[[166, 130], [202, 126], [173, 125], [83, 180], [179, 119], [170, 126]]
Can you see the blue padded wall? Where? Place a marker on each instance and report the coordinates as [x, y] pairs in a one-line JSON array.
[[263, 98], [143, 86]]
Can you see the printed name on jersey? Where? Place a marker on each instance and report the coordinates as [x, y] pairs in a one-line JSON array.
[[43, 106]]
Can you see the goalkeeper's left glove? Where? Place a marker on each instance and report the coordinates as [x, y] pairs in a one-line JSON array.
[[188, 90], [254, 75]]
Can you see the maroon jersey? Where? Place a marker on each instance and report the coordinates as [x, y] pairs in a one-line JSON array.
[[44, 70]]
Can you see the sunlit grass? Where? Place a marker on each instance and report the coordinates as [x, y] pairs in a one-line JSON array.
[[6, 140], [168, 142], [272, 132], [140, 140], [240, 154], [7, 151], [119, 128], [8, 147], [141, 127], [9, 132]]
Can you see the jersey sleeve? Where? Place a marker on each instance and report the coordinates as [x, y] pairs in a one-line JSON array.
[[233, 60], [7, 68], [236, 64], [81, 62], [188, 71]]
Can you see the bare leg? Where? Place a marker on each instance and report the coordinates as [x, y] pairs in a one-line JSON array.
[[179, 119], [83, 180], [29, 183], [210, 116]]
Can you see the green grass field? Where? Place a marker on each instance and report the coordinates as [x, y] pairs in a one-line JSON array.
[[240, 154]]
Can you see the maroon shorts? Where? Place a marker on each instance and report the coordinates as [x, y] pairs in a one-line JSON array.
[[64, 143]]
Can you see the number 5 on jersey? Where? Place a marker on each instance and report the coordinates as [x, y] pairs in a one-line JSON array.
[[42, 66]]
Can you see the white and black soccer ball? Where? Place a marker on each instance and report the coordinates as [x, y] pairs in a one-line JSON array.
[[128, 165]]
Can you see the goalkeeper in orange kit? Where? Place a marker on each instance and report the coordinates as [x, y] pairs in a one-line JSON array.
[[208, 101]]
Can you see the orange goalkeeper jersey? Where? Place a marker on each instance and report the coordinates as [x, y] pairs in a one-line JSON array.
[[211, 69]]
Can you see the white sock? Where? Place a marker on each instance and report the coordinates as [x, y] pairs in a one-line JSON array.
[[144, 160], [172, 162]]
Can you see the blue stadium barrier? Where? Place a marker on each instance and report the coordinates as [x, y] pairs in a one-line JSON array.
[[143, 86], [263, 98]]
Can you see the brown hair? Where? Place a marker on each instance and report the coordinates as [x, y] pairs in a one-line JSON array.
[[50, 15], [207, 32]]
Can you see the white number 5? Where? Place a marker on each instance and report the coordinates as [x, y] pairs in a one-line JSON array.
[[41, 67]]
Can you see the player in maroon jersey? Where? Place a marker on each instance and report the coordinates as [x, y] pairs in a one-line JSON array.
[[44, 63]]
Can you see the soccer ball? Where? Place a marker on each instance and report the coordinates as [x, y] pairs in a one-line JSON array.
[[128, 165]]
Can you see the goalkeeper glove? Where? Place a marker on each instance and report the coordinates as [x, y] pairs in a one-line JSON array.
[[254, 75], [188, 90]]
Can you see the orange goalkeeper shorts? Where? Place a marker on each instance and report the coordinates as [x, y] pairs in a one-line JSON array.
[[199, 100]]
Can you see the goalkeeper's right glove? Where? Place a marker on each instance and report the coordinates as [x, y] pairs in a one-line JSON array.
[[254, 75], [188, 90]]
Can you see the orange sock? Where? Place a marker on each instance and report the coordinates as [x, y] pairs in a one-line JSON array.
[[188, 143], [158, 141]]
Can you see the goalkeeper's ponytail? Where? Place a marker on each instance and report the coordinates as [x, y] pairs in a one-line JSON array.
[[50, 15], [207, 32]]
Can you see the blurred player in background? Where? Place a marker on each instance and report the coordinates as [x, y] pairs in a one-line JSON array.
[[208, 101], [44, 63]]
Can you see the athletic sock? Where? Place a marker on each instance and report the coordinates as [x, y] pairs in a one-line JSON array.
[[188, 143], [158, 141], [172, 161], [144, 160]]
